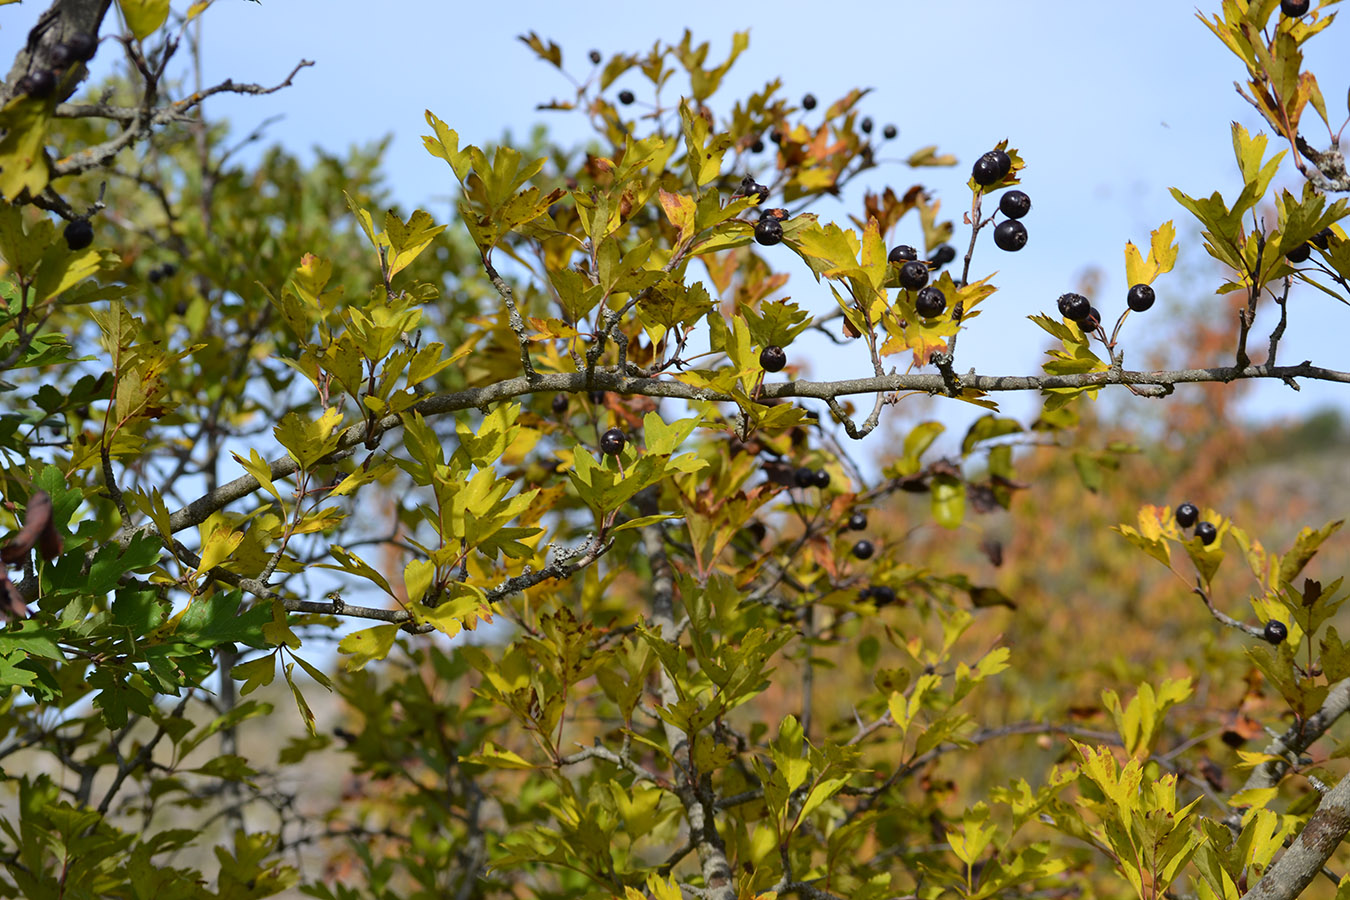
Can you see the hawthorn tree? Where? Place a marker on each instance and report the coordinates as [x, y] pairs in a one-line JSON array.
[[700, 648]]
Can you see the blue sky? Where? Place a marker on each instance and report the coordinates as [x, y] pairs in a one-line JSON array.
[[1109, 104]]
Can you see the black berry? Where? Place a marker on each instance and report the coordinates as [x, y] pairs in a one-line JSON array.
[[857, 521], [752, 188], [79, 234], [169, 270], [1206, 532], [626, 97], [595, 57], [1276, 631], [821, 478], [612, 442], [82, 46], [1093, 320], [38, 85], [913, 275], [596, 397], [1010, 235], [1300, 253], [809, 102], [155, 275], [944, 254], [902, 254], [804, 477], [180, 308], [866, 125], [757, 146], [559, 404], [772, 358], [1074, 307], [884, 595], [930, 302], [1140, 297], [864, 549], [1294, 8], [1187, 515], [61, 55], [1322, 238], [757, 531], [991, 167], [889, 132], [768, 231], [1014, 204], [776, 136]]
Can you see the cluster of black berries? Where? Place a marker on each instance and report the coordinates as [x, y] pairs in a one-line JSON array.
[[752, 188], [1187, 515], [805, 477], [769, 228], [990, 169], [929, 301], [1321, 240], [864, 548], [40, 83], [159, 273], [1076, 308]]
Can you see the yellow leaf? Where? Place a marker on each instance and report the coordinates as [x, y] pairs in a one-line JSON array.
[[367, 646], [144, 16]]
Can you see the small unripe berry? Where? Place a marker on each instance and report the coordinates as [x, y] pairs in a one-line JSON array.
[[930, 302], [79, 234], [804, 477], [944, 254], [626, 98], [1206, 532], [809, 102], [902, 254], [1010, 235], [991, 167], [821, 478], [864, 549], [1014, 204], [612, 442], [559, 404], [768, 231], [1140, 297], [857, 521], [1187, 515], [772, 358], [913, 275], [1276, 631], [1074, 307]]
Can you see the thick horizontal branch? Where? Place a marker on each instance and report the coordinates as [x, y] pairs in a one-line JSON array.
[[197, 511]]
